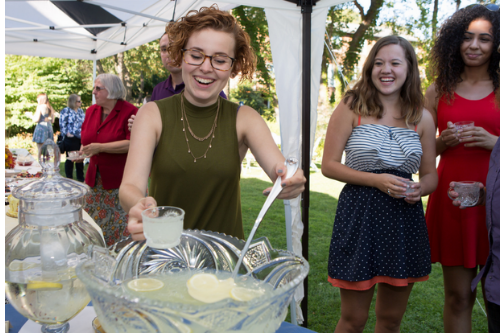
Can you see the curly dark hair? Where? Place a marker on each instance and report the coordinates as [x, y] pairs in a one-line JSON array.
[[446, 61]]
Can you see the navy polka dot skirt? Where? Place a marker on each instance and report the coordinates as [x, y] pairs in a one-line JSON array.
[[377, 235]]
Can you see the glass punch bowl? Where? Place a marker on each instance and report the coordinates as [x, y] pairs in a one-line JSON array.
[[117, 311]]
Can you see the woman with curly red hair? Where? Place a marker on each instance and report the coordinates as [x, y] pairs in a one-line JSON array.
[[465, 67], [193, 143]]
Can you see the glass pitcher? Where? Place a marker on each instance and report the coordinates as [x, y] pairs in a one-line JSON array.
[[52, 238]]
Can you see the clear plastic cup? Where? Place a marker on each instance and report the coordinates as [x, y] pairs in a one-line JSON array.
[[163, 226], [408, 188], [463, 125], [468, 193]]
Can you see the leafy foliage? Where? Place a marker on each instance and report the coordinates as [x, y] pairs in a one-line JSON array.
[[253, 20], [253, 98], [144, 69], [26, 77]]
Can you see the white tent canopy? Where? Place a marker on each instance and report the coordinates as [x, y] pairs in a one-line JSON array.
[[95, 29]]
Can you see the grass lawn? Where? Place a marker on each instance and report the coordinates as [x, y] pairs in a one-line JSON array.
[[425, 306]]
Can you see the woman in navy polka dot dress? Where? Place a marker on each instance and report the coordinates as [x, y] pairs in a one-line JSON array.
[[379, 235]]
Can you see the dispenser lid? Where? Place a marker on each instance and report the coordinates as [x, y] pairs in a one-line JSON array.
[[51, 186]]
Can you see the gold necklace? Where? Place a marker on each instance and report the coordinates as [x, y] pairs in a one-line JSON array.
[[210, 134]]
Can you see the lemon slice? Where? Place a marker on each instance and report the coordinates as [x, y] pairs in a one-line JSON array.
[[206, 288], [245, 294], [145, 284], [17, 266], [44, 285], [203, 282]]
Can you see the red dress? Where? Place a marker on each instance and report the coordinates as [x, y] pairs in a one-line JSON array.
[[458, 237]]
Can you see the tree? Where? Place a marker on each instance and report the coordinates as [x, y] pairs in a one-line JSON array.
[[254, 22], [26, 77], [341, 18], [139, 68]]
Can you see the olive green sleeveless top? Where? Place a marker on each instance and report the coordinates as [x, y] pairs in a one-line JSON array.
[[208, 190]]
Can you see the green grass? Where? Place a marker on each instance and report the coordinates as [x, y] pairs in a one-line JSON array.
[[63, 173], [424, 311]]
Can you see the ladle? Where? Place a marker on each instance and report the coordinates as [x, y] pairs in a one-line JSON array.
[[292, 165]]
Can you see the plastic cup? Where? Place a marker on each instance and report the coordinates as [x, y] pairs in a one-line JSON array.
[[463, 125], [468, 193], [163, 226], [409, 190], [408, 183]]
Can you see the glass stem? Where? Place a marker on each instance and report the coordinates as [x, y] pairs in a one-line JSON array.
[[61, 328]]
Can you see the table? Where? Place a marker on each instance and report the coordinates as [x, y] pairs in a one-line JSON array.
[[17, 321]]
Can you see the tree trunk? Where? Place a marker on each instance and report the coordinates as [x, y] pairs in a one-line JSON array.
[[434, 18], [458, 5], [100, 69], [123, 74], [141, 89], [356, 44]]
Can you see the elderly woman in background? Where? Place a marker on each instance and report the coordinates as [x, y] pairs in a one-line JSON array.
[[70, 120], [44, 118], [105, 139]]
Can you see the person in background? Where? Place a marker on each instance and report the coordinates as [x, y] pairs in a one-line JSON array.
[[379, 235], [106, 138], [70, 121], [193, 143], [44, 118], [465, 65]]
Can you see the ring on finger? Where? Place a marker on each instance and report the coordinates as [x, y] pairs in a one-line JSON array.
[[388, 191]]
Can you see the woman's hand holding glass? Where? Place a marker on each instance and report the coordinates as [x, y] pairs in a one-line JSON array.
[[396, 187], [476, 136], [449, 136], [135, 226], [414, 196], [91, 149], [454, 196]]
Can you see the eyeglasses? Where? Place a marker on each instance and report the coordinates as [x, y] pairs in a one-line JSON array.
[[219, 62], [78, 101], [97, 88], [491, 6]]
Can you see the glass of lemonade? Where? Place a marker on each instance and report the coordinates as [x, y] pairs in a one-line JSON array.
[[163, 226]]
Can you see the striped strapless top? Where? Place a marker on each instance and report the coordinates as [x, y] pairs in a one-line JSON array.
[[379, 147]]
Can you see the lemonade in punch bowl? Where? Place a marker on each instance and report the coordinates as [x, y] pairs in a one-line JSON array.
[[189, 288]]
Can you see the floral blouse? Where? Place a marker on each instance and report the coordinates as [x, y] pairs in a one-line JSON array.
[[71, 121]]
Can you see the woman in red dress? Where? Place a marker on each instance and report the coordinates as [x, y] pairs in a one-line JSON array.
[[465, 65]]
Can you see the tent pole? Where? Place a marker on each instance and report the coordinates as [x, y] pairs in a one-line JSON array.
[[93, 78], [306, 134]]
